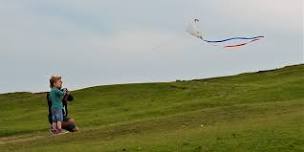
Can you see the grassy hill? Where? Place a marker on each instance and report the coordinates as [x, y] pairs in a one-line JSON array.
[[252, 112]]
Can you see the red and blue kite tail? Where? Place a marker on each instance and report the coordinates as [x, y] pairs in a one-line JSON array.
[[234, 41]]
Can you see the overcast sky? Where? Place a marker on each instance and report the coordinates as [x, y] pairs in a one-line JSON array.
[[97, 42]]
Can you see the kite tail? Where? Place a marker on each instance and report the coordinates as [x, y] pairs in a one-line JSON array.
[[234, 38], [237, 45], [243, 41]]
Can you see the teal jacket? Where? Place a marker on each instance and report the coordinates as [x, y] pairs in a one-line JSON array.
[[56, 97]]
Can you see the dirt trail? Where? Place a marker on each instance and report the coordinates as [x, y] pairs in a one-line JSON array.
[[21, 138]]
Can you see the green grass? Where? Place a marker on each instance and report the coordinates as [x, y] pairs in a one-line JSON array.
[[252, 112]]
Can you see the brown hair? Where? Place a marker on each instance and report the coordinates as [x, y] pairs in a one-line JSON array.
[[53, 79]]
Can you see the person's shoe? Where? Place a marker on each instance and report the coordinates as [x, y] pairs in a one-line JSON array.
[[61, 131], [53, 131]]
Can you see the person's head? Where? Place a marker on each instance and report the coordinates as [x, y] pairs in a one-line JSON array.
[[55, 81]]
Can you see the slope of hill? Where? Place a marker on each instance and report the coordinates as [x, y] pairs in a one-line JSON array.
[[261, 111]]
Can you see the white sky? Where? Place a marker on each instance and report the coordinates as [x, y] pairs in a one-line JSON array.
[[96, 42]]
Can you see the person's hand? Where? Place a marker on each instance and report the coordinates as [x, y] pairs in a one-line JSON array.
[[68, 92], [65, 91]]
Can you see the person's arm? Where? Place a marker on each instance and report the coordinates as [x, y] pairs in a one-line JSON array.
[[59, 92], [65, 91]]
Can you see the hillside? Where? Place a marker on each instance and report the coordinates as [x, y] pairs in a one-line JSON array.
[[252, 112]]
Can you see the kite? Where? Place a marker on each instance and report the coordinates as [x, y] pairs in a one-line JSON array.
[[232, 42]]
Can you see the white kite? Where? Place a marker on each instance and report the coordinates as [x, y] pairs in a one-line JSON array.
[[195, 30]]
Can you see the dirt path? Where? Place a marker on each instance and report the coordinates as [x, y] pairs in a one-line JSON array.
[[21, 138]]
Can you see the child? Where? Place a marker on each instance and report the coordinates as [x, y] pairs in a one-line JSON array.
[[56, 96]]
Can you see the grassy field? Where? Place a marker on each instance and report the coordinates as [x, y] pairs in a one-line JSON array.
[[252, 112]]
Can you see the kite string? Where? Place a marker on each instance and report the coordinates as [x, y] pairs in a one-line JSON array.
[[166, 43]]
